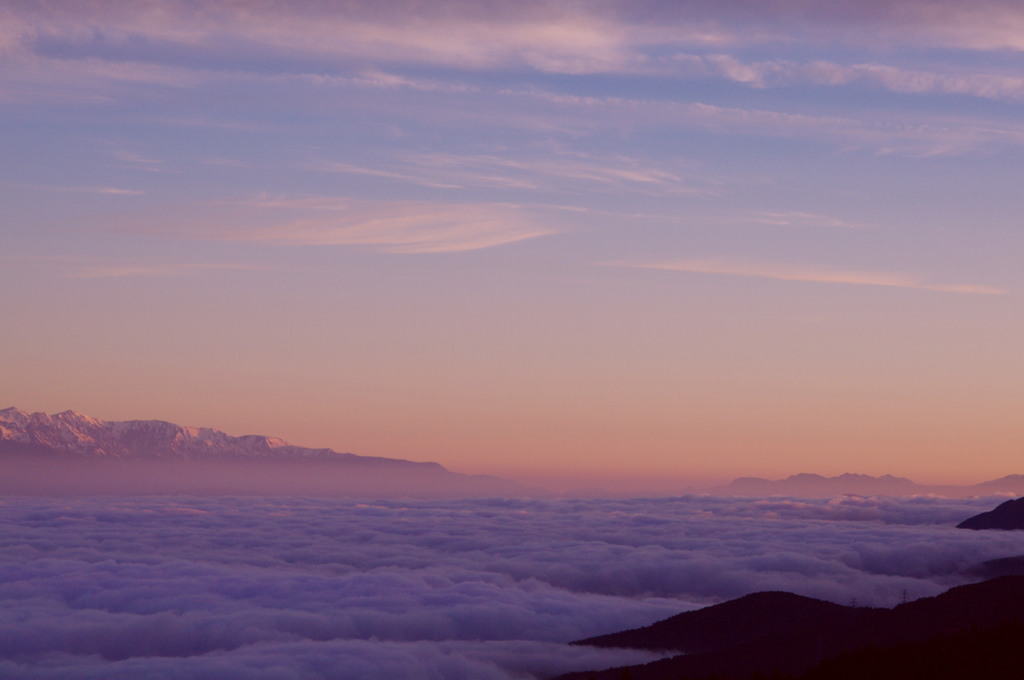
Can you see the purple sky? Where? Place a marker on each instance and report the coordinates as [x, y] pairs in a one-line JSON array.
[[587, 242]]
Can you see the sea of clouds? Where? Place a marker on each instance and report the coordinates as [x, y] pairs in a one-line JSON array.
[[147, 588]]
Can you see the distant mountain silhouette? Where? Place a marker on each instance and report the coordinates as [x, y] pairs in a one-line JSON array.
[[72, 435], [789, 635], [1008, 484], [70, 453], [805, 484], [1006, 516], [810, 486]]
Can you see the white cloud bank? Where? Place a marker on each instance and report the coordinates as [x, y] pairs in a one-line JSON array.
[[279, 588]]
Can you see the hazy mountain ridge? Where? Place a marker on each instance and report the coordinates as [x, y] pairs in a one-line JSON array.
[[811, 485], [73, 437], [70, 453]]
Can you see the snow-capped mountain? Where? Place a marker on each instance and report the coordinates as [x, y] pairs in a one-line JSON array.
[[77, 435], [72, 454]]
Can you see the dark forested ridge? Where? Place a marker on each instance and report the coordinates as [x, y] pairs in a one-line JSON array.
[[1007, 516], [993, 653], [789, 636], [1004, 566]]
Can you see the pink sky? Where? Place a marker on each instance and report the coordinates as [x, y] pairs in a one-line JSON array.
[[620, 244]]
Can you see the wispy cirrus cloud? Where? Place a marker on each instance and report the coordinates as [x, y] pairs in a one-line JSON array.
[[121, 270], [765, 74], [548, 36], [68, 50], [354, 169], [552, 35], [408, 227], [26, 76], [114, 191], [378, 79], [136, 160], [579, 169], [808, 274], [552, 171], [385, 226], [798, 218], [104, 268], [908, 134], [102, 190]]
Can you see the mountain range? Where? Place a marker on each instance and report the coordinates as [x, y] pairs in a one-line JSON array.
[[812, 486], [776, 634], [74, 435], [71, 453], [32, 445]]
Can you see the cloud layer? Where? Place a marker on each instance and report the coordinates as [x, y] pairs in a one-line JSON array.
[[548, 34], [261, 588], [62, 44]]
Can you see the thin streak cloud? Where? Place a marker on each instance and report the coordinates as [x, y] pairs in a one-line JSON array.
[[786, 272], [98, 268], [102, 190], [393, 226], [600, 173], [552, 36], [572, 174], [766, 74], [801, 219], [350, 169], [99, 271], [894, 134]]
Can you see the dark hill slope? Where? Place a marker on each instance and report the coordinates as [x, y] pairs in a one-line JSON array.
[[769, 633], [1004, 566], [1006, 516], [995, 653], [724, 626]]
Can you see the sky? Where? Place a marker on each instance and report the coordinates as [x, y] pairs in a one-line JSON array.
[[600, 243]]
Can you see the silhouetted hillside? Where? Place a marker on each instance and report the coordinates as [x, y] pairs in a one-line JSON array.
[[1004, 566], [724, 626], [780, 633], [995, 653], [1006, 516]]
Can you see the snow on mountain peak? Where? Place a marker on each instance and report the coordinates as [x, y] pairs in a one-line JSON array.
[[13, 415], [73, 417], [72, 433]]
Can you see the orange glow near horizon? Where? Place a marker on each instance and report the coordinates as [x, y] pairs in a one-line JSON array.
[[625, 244]]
